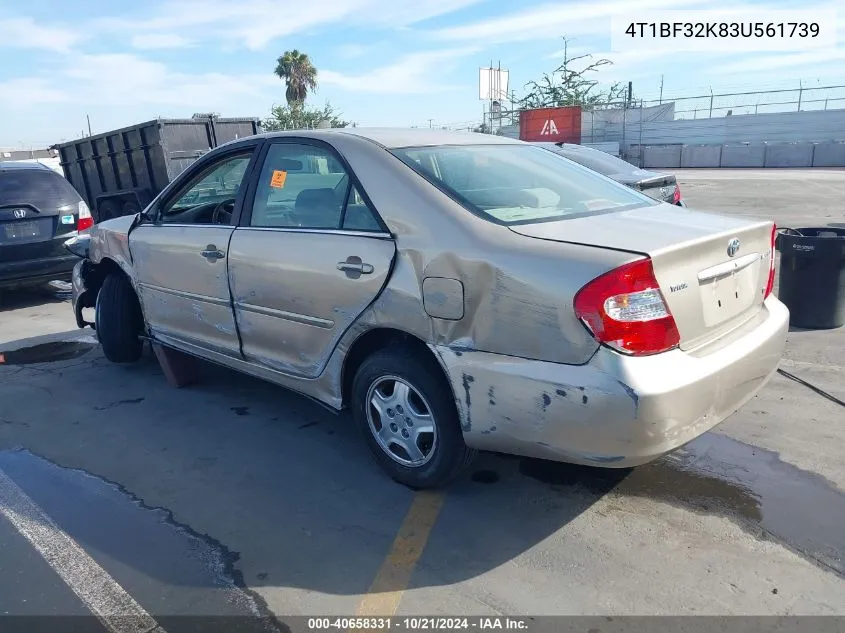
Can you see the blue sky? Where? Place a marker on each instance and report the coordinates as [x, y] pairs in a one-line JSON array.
[[381, 62]]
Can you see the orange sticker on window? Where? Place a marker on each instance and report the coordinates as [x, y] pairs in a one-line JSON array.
[[278, 179]]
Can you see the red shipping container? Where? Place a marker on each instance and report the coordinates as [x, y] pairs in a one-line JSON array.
[[554, 125]]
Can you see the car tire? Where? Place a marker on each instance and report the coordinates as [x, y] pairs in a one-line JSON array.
[[429, 402], [118, 320]]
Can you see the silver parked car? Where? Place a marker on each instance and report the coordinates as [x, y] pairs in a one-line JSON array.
[[456, 291], [655, 185]]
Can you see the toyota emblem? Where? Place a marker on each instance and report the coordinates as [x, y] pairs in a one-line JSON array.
[[733, 247], [20, 213]]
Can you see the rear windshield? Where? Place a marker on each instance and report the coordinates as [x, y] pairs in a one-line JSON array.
[[518, 184], [45, 190], [597, 160]]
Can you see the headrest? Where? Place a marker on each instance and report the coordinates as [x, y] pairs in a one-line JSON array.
[[316, 198]]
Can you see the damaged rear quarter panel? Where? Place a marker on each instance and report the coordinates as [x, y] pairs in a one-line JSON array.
[[518, 290]]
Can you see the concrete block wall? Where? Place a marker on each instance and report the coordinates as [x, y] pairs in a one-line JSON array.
[[829, 155], [668, 156], [701, 156], [744, 155], [789, 155], [752, 155], [782, 139]]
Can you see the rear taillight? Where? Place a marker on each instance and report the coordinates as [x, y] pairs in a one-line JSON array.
[[770, 284], [625, 310], [84, 221], [676, 195]]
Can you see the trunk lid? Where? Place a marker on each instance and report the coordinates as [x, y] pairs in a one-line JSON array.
[[708, 290], [660, 187]]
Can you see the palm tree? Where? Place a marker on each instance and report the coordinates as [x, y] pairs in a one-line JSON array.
[[299, 74]]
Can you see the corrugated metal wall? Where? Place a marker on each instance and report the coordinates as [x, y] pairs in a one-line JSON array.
[[790, 127]]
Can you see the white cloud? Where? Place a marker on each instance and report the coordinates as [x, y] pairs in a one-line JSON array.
[[29, 91], [812, 60], [122, 79], [552, 20], [25, 33], [151, 41], [351, 51], [416, 73], [256, 23]]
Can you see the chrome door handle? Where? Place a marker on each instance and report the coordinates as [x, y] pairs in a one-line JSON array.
[[355, 265], [212, 253]]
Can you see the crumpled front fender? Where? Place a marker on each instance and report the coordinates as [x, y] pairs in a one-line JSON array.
[[86, 282]]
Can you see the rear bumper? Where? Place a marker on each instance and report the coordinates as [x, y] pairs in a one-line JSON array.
[[614, 411], [33, 271]]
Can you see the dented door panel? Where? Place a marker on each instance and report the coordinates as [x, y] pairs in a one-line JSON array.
[[296, 292], [182, 282]]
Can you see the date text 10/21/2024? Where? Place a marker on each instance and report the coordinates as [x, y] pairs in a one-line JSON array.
[[418, 624]]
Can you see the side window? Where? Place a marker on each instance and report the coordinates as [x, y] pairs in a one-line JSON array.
[[209, 198], [300, 186], [359, 216]]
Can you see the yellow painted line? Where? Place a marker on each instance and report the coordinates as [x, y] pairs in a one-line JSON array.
[[393, 577]]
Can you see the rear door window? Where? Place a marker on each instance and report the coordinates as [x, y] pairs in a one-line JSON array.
[[518, 183], [300, 186]]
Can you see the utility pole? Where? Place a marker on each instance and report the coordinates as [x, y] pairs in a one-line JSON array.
[[88, 118], [661, 89]]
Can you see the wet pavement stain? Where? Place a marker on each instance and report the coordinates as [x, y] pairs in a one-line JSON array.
[[112, 405], [718, 475], [167, 566], [46, 353], [485, 476], [240, 410]]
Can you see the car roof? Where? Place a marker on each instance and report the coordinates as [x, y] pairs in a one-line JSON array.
[[393, 138], [15, 164]]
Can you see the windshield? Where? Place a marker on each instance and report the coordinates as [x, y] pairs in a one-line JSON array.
[[597, 160], [514, 184]]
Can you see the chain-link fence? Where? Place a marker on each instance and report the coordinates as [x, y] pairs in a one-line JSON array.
[[804, 115], [705, 106], [799, 99]]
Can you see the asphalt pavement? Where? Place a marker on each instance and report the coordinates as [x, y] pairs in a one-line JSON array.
[[232, 497]]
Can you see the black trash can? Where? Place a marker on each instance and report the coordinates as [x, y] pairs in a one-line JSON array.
[[812, 276]]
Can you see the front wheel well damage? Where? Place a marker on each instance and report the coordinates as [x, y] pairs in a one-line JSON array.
[[375, 340], [93, 276]]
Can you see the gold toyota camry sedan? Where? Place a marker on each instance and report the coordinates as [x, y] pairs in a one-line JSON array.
[[458, 292]]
